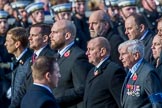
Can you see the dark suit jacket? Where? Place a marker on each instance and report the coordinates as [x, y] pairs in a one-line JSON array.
[[74, 67], [38, 97], [103, 90], [114, 39], [159, 68], [147, 43], [28, 78], [143, 84]]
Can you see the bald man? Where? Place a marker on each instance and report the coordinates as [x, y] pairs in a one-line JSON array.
[[104, 82], [99, 26], [73, 65]]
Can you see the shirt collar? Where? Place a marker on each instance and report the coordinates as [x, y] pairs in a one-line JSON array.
[[44, 86], [19, 57], [39, 51], [102, 61], [144, 35], [65, 49], [135, 67]]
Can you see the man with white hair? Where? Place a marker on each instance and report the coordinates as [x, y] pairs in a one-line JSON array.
[[141, 88]]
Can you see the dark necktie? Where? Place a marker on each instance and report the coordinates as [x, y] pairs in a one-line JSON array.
[[34, 57], [127, 77], [57, 56], [126, 81]]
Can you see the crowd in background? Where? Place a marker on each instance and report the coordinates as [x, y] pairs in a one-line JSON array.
[[80, 54]]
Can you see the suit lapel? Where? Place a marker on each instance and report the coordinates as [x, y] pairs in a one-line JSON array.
[[66, 55], [44, 51], [99, 71], [131, 81], [149, 36], [61, 59]]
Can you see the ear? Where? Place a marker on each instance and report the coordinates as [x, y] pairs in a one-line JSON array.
[[67, 35], [103, 52], [142, 27], [107, 25], [136, 56], [45, 38], [47, 76], [17, 44]]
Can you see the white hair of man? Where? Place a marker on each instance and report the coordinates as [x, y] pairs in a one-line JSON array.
[[134, 46]]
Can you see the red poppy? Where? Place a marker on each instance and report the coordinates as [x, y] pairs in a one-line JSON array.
[[67, 54], [134, 77]]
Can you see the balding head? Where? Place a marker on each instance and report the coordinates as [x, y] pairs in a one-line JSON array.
[[99, 15], [66, 26], [97, 50], [62, 34], [98, 23], [101, 42]]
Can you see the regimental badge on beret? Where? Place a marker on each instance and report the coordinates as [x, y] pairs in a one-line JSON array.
[[111, 2], [65, 7], [34, 6], [3, 14], [19, 4], [123, 3]]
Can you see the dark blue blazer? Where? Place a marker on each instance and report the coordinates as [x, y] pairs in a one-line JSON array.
[[38, 97]]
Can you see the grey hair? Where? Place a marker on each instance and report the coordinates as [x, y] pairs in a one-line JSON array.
[[134, 46]]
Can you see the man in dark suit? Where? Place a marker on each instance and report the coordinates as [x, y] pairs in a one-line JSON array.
[[104, 82], [99, 25], [16, 44], [141, 88], [45, 72], [137, 28], [64, 11], [39, 43], [73, 65]]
